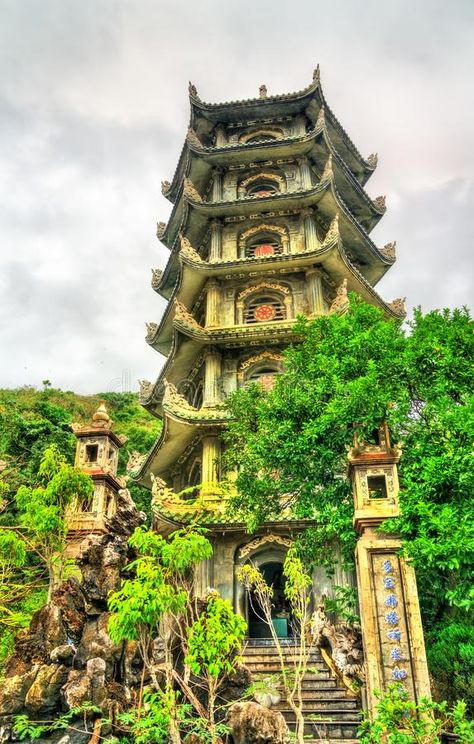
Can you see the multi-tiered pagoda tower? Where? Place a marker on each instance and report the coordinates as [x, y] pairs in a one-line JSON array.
[[270, 220]]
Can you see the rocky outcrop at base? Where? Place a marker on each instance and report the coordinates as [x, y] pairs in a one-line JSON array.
[[66, 657], [252, 723]]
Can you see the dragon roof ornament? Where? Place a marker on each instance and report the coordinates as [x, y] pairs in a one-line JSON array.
[[192, 138], [160, 230], [188, 251], [372, 159], [173, 399], [389, 250], [193, 91], [380, 203], [317, 74], [333, 231], [328, 171], [190, 190], [146, 390], [165, 187], [156, 277], [398, 306], [182, 314], [151, 329], [340, 303]]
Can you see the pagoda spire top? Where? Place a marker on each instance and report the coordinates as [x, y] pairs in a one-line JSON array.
[[317, 74]]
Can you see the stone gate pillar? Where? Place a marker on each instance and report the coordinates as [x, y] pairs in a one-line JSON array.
[[394, 648]]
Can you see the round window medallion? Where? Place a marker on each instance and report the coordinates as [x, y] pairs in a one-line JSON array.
[[264, 312], [264, 250]]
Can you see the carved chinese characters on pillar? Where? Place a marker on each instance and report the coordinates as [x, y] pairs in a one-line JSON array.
[[391, 619]]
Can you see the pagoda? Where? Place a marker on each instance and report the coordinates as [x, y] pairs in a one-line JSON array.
[[270, 219]]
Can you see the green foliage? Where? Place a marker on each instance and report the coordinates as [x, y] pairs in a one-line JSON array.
[[352, 372], [399, 720], [215, 639], [32, 730], [161, 581], [151, 724], [450, 652], [343, 604]]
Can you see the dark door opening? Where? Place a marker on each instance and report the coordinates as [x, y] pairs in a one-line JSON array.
[[281, 616]]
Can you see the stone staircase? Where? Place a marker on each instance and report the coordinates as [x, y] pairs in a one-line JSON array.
[[331, 712]]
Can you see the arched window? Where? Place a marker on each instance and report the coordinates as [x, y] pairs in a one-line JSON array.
[[264, 375], [264, 308], [260, 135], [263, 245], [262, 188]]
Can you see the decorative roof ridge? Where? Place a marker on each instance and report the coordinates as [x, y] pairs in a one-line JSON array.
[[187, 251], [389, 250], [176, 404], [260, 100], [332, 234], [395, 307], [254, 145], [342, 163]]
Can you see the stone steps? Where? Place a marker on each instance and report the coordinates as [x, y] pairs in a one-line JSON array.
[[332, 715]]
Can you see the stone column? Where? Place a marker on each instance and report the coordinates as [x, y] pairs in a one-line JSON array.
[[217, 185], [215, 253], [310, 235], [314, 286], [392, 633], [212, 377], [221, 139], [305, 173], [211, 449], [213, 301], [288, 302]]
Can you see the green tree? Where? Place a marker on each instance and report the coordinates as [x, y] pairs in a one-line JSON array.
[[214, 642], [355, 371], [42, 509]]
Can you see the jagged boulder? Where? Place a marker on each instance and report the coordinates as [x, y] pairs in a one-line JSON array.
[[70, 599], [96, 643], [14, 690], [43, 695], [251, 723], [101, 559]]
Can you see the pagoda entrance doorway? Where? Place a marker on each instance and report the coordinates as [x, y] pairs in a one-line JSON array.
[[272, 572]]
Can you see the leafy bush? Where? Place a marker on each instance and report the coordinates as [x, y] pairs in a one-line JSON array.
[[451, 661]]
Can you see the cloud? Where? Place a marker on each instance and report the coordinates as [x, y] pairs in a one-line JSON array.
[[93, 111]]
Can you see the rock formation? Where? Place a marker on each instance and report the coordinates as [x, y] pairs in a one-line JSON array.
[[66, 657], [252, 723]]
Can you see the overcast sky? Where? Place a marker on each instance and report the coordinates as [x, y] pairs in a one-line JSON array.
[[93, 113]]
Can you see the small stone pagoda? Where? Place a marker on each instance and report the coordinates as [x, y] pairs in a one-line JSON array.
[[97, 451], [270, 219]]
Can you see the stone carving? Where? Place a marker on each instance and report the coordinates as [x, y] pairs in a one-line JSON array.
[[251, 723], [165, 187], [160, 230], [146, 390], [190, 191], [263, 285], [193, 91], [174, 399], [260, 541], [182, 314], [344, 642], [156, 276], [327, 172], [262, 227], [263, 91], [317, 74], [398, 305], [389, 250], [380, 203], [341, 301], [161, 493], [321, 120], [151, 329], [373, 159], [188, 251], [268, 176], [192, 138], [135, 461], [333, 232], [264, 356]]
